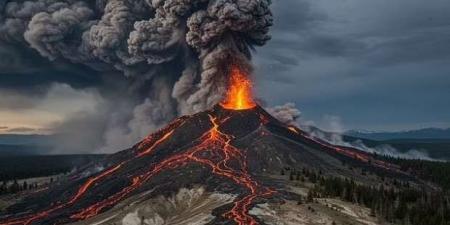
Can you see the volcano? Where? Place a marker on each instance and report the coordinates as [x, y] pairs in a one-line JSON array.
[[222, 150], [231, 151]]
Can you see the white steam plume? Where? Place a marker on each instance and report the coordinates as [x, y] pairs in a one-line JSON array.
[[287, 113], [335, 137], [290, 115]]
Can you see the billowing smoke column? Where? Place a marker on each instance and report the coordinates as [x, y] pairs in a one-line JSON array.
[[175, 51]]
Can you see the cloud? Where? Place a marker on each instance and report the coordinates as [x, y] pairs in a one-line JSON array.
[[44, 113], [361, 30], [425, 45], [127, 66], [12, 100], [25, 71], [331, 129], [296, 16], [372, 63], [80, 132], [286, 113], [22, 130], [332, 123]]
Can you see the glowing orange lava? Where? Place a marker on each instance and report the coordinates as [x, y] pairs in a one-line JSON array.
[[239, 94], [293, 129], [146, 147], [348, 151], [214, 141], [228, 162]]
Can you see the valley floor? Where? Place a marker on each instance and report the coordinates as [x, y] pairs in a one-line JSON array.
[[195, 207]]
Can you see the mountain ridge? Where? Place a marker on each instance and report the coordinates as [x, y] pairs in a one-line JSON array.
[[424, 133], [224, 151]]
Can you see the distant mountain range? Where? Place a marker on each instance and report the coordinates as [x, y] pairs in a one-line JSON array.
[[25, 139], [435, 141], [430, 143], [18, 144], [426, 133]]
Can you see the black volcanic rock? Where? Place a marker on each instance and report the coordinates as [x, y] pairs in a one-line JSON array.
[[266, 146]]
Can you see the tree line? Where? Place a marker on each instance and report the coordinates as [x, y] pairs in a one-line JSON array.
[[397, 203], [16, 187], [434, 171], [23, 167]]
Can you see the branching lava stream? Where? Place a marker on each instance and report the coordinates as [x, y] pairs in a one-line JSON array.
[[231, 164], [228, 162], [212, 149], [214, 142]]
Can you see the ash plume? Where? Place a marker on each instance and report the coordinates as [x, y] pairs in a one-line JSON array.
[[171, 52]]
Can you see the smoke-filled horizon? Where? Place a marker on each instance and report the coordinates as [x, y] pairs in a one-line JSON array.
[[101, 74], [153, 60]]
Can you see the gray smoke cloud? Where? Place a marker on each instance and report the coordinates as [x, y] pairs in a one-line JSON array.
[[287, 113], [173, 53]]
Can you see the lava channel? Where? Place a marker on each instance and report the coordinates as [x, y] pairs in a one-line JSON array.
[[213, 141], [146, 147]]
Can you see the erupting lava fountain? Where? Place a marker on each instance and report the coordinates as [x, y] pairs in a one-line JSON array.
[[239, 94]]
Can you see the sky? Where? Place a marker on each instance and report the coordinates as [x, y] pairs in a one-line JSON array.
[[349, 64], [373, 65]]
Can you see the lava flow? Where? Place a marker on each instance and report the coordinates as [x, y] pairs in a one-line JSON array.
[[213, 149], [348, 151], [239, 94], [150, 141], [215, 143]]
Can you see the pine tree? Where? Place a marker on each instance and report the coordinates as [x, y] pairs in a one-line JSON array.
[[291, 176], [300, 201], [15, 187], [310, 196]]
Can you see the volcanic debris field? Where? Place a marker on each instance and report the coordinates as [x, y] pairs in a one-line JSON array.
[[223, 150]]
